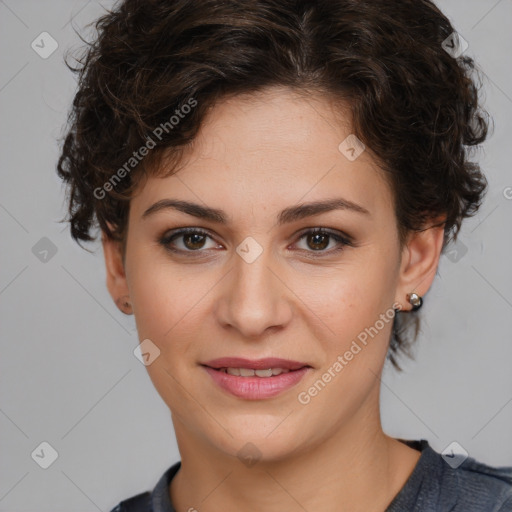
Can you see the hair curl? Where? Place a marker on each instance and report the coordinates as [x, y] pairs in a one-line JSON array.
[[414, 105]]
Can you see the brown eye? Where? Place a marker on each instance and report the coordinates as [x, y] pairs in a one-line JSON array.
[[319, 241], [193, 241], [190, 240]]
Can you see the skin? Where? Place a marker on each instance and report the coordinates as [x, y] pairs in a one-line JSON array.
[[255, 156]]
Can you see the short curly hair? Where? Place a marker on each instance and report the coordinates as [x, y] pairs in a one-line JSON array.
[[413, 104]]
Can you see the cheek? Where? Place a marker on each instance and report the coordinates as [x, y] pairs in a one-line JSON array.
[[154, 289], [351, 298], [166, 312], [163, 302], [169, 304], [357, 317]]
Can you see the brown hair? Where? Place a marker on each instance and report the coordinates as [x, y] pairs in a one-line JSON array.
[[414, 105]]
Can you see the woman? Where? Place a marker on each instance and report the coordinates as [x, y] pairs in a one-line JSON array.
[[275, 182]]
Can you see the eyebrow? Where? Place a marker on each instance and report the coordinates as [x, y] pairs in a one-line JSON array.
[[291, 214]]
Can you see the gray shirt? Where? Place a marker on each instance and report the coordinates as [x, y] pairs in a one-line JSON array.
[[433, 486]]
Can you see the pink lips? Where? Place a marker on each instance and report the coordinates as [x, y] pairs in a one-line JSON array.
[[256, 388], [256, 364]]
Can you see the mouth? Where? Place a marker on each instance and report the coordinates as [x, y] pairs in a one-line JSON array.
[[240, 363], [255, 379], [251, 372]]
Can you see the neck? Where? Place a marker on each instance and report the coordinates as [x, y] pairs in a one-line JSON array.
[[357, 468]]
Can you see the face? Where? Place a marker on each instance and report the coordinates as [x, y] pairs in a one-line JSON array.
[[267, 277]]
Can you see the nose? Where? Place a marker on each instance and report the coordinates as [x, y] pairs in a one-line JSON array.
[[254, 297]]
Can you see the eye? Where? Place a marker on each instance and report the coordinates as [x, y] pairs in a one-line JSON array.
[[192, 240], [318, 239]]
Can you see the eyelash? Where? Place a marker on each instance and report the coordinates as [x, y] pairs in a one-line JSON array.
[[343, 240]]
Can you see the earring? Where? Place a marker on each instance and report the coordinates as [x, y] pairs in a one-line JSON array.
[[415, 300], [124, 304]]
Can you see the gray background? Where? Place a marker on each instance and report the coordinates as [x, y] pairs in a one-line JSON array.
[[68, 373]]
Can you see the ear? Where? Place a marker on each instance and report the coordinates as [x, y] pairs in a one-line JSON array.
[[116, 277], [420, 259]]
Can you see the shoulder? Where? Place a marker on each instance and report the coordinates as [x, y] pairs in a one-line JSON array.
[[470, 485], [157, 500], [442, 482], [139, 503], [483, 487]]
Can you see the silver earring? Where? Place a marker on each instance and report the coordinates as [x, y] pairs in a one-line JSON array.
[[415, 300]]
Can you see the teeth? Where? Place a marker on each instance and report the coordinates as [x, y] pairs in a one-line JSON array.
[[264, 373], [249, 372]]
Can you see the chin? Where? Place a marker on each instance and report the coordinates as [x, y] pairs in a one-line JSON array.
[[259, 439]]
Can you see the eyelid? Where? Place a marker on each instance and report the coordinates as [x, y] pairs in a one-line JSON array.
[[327, 231], [342, 242], [166, 238]]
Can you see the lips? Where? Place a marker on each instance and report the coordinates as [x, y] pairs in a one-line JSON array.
[[255, 364], [256, 387]]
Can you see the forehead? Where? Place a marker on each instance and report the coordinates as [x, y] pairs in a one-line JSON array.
[[268, 150]]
